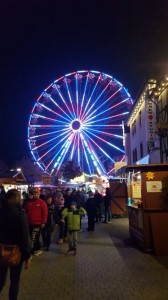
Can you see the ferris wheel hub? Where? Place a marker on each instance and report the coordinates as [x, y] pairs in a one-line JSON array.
[[76, 125]]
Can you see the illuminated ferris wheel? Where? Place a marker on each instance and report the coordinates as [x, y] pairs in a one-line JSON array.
[[79, 117]]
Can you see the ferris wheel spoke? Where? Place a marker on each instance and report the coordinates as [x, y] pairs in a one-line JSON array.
[[103, 140], [54, 112], [86, 157], [95, 101], [48, 96], [107, 118], [73, 147], [83, 97], [107, 133], [78, 149], [70, 98], [83, 114], [77, 95], [100, 148], [46, 134], [102, 104], [53, 147], [63, 153], [51, 119], [116, 126], [49, 141], [64, 101], [55, 156], [95, 160], [46, 126]]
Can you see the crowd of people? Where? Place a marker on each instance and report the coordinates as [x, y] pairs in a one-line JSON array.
[[25, 223]]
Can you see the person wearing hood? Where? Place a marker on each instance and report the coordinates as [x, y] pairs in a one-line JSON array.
[[73, 215]]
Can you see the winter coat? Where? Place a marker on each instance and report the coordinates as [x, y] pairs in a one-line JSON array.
[[50, 220], [14, 228], [99, 199], [37, 212], [73, 217], [91, 207], [107, 200]]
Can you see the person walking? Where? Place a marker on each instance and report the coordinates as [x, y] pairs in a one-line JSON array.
[[91, 211], [107, 206], [98, 199], [13, 231], [37, 213], [2, 195], [59, 206], [47, 230], [73, 216], [68, 199]]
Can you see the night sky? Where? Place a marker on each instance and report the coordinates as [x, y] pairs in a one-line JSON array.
[[43, 40]]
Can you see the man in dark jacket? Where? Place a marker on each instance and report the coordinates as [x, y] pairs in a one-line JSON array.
[[14, 231], [107, 206], [91, 211], [2, 195], [98, 199]]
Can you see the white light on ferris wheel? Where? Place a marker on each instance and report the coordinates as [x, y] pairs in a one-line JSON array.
[[79, 117]]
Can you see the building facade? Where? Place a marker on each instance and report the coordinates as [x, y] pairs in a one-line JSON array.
[[142, 144], [161, 95]]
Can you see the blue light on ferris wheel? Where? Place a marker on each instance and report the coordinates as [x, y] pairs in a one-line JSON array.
[[79, 117]]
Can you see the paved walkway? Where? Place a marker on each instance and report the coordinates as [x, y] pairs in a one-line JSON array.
[[107, 267]]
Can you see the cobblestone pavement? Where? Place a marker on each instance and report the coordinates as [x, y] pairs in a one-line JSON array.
[[107, 267]]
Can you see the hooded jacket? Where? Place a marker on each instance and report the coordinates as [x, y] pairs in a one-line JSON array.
[[73, 217], [14, 228], [37, 212]]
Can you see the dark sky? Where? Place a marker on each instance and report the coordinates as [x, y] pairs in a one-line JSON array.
[[42, 40]]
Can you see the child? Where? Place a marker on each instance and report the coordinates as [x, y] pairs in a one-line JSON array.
[[46, 231], [73, 216]]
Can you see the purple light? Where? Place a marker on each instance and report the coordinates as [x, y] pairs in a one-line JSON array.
[[79, 117]]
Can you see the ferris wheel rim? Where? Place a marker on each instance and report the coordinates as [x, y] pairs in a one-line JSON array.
[[76, 114]]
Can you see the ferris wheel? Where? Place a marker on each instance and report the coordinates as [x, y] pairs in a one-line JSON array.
[[79, 117]]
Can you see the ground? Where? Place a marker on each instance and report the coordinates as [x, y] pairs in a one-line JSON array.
[[107, 267]]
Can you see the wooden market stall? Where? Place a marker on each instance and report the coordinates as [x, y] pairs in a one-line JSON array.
[[118, 190], [148, 219]]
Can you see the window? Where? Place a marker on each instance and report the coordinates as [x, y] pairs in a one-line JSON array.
[[136, 158], [134, 155], [141, 149], [140, 118], [134, 127]]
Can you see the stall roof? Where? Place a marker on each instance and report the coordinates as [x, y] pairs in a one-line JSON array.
[[12, 174], [148, 167]]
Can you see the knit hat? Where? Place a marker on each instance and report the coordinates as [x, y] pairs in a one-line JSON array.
[[73, 203], [59, 195]]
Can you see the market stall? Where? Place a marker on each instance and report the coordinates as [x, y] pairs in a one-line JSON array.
[[148, 218]]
